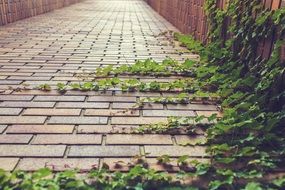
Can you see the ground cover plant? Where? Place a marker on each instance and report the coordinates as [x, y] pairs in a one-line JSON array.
[[247, 145]]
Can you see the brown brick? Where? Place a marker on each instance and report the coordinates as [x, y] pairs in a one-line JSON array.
[[32, 150], [167, 113], [111, 99], [10, 111], [40, 129], [59, 98], [103, 151], [78, 120], [137, 121], [8, 164], [15, 139], [52, 112], [58, 164], [68, 139], [82, 105], [175, 151], [123, 139], [27, 104], [21, 120], [102, 112]]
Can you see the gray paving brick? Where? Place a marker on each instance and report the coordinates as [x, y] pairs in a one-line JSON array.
[[10, 111], [2, 128], [15, 139], [58, 164], [32, 150], [78, 120], [59, 98], [27, 104], [40, 129], [137, 121], [82, 105], [15, 98], [175, 151], [131, 105], [8, 164], [167, 113], [195, 107], [103, 151], [124, 139], [111, 99], [67, 139], [22, 120]]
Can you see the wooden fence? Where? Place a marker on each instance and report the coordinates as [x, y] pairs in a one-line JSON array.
[[189, 17], [13, 10]]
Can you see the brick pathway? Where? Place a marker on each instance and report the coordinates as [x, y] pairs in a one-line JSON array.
[[76, 129]]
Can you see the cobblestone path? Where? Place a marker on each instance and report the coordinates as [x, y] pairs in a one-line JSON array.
[[84, 129]]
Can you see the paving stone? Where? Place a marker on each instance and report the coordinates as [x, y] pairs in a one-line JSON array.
[[40, 129], [123, 139], [8, 164], [131, 105], [82, 105], [2, 128], [58, 164], [137, 94], [111, 99], [125, 164], [167, 113], [172, 166], [15, 98], [190, 139], [114, 113], [105, 129], [67, 139], [37, 92], [32, 150], [90, 93], [175, 151], [10, 111], [22, 120], [59, 98], [27, 104], [137, 121], [52, 112], [30, 78], [103, 151], [209, 113], [118, 164], [194, 107], [15, 139], [78, 120]]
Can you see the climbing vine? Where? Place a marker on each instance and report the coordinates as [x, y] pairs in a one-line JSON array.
[[248, 142]]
